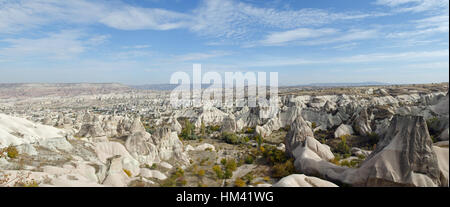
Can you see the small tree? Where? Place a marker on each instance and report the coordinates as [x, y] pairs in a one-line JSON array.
[[259, 140]]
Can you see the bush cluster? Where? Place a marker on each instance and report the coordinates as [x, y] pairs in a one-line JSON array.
[[176, 179], [343, 147], [188, 131], [226, 170], [232, 138]]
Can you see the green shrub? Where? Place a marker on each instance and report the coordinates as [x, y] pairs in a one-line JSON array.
[[239, 183], [232, 138], [201, 173], [259, 139], [188, 132], [12, 152], [313, 125], [281, 170], [176, 179], [228, 174], [249, 177], [214, 128], [342, 147], [218, 170], [274, 155], [249, 159], [154, 166], [231, 165], [345, 163], [250, 130]]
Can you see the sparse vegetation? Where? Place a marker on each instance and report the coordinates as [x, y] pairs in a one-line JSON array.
[[188, 131], [176, 179], [214, 128], [232, 138], [281, 170], [249, 130], [127, 172], [239, 183], [226, 170], [12, 152], [218, 170], [342, 147], [249, 159], [273, 155]]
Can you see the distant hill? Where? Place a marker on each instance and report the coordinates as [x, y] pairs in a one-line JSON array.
[[27, 90], [343, 84], [161, 87]]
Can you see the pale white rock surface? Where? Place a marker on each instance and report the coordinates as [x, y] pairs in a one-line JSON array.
[[147, 173], [27, 149], [166, 165], [55, 144], [300, 180], [106, 150], [342, 130], [16, 131], [205, 146]]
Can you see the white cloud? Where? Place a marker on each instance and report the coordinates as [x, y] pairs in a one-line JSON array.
[[61, 45], [137, 47], [18, 15], [228, 18], [296, 34], [134, 18], [378, 57], [304, 36], [201, 56], [439, 6], [423, 27]]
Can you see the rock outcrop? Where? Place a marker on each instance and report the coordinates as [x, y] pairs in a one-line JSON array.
[[300, 180], [405, 157], [297, 134], [342, 130], [362, 123]]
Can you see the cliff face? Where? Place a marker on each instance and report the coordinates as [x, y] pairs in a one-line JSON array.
[[405, 157]]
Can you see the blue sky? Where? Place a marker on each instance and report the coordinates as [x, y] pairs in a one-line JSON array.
[[145, 41]]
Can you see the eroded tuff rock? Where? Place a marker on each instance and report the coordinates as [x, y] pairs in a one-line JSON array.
[[92, 127], [342, 130], [297, 134], [405, 157], [300, 180], [229, 124], [362, 123]]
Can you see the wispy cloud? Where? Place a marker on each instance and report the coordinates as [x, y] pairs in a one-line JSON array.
[[60, 45], [304, 36], [439, 6], [228, 18], [134, 18], [201, 56], [137, 47], [277, 38]]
